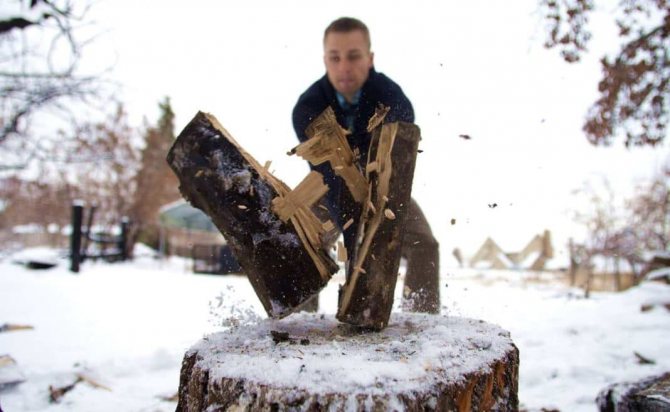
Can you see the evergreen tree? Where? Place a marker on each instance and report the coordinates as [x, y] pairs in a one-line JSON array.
[[156, 183]]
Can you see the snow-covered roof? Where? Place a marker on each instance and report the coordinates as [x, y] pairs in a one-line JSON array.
[[658, 274], [182, 214]]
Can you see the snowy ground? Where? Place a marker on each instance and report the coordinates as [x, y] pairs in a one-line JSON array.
[[127, 326]]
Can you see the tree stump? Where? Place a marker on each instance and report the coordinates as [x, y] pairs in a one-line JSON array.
[[311, 362]]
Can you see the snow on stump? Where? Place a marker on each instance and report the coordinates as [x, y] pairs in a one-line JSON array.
[[311, 362]]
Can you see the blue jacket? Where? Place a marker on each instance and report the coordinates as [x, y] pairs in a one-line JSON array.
[[377, 89]]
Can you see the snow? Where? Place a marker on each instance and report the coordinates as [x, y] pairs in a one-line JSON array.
[[659, 274], [128, 325], [331, 358]]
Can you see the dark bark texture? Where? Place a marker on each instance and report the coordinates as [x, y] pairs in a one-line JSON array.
[[366, 299], [647, 395], [217, 176]]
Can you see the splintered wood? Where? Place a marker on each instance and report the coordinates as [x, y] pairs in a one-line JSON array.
[[384, 193], [282, 256], [328, 143], [273, 230], [366, 299], [305, 194]]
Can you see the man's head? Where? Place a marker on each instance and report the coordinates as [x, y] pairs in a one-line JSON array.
[[347, 55]]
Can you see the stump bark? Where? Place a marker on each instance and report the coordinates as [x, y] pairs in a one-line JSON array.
[[310, 362], [275, 237]]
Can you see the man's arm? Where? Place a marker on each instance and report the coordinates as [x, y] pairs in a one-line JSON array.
[[392, 95]]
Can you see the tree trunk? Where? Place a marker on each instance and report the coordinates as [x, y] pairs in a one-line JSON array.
[[310, 362], [282, 257], [366, 299]]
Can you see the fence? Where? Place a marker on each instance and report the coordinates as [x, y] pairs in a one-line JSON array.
[[111, 248]]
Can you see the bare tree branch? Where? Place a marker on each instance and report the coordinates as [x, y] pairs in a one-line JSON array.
[[635, 85], [36, 81]]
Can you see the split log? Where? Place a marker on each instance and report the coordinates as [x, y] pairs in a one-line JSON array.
[[312, 363], [649, 394], [366, 298], [283, 257], [384, 193]]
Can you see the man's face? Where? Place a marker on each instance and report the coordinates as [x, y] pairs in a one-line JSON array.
[[348, 61]]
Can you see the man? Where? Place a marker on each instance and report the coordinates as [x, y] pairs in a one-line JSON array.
[[354, 89]]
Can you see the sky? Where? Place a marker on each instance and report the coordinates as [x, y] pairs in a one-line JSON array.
[[477, 68]]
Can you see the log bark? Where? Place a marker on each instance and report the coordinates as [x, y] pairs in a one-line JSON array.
[[647, 395], [366, 298], [310, 362], [283, 257]]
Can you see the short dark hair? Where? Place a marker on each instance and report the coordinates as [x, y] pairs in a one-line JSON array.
[[346, 25]]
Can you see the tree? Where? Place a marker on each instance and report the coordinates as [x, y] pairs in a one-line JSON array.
[[100, 163], [156, 183], [635, 85], [615, 235], [38, 81], [650, 213], [106, 159]]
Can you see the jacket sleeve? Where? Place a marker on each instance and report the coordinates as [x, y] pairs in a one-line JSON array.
[[401, 107]]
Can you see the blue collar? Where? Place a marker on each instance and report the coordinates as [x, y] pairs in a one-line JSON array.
[[343, 101]]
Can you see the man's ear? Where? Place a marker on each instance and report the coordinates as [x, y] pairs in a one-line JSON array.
[[372, 59]]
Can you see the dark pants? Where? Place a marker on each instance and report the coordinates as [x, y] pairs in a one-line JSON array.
[[421, 292], [422, 252]]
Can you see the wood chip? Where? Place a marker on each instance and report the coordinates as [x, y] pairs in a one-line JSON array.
[[92, 382], [278, 337], [342, 255], [389, 214], [170, 398], [6, 360], [327, 226], [643, 360], [267, 164], [10, 327], [242, 207], [371, 207], [349, 223]]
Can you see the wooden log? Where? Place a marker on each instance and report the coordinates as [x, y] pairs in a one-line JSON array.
[[283, 258], [648, 394], [310, 362], [366, 299]]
